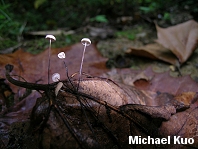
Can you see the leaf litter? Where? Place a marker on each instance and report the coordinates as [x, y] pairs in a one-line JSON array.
[[177, 43], [157, 106]]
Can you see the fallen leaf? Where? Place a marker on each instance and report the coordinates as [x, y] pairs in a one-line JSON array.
[[174, 44], [111, 92], [101, 110], [183, 124], [154, 51], [186, 97], [152, 81], [163, 82], [181, 39]]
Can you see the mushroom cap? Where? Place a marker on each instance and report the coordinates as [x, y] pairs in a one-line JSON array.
[[50, 37], [61, 55], [55, 77], [86, 41]]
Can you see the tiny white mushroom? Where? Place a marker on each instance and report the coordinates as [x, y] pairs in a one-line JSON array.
[[50, 38], [86, 42], [56, 77], [61, 55]]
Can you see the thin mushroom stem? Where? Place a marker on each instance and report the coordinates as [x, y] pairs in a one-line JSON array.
[[61, 55], [50, 38], [49, 55], [80, 72], [68, 75], [86, 42]]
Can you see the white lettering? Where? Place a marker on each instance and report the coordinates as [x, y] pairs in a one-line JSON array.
[[179, 140], [140, 140], [184, 140], [168, 139], [133, 140], [157, 140], [144, 141], [151, 139], [164, 141], [191, 140], [176, 140]]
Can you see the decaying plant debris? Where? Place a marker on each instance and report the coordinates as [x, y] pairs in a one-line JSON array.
[[93, 112], [98, 114], [174, 45]]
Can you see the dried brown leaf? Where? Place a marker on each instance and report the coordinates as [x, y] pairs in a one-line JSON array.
[[186, 97], [173, 43], [181, 39], [159, 82], [154, 51], [112, 93], [183, 124], [105, 113]]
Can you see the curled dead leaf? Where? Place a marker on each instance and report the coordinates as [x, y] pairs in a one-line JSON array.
[[181, 39], [174, 44], [154, 51]]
